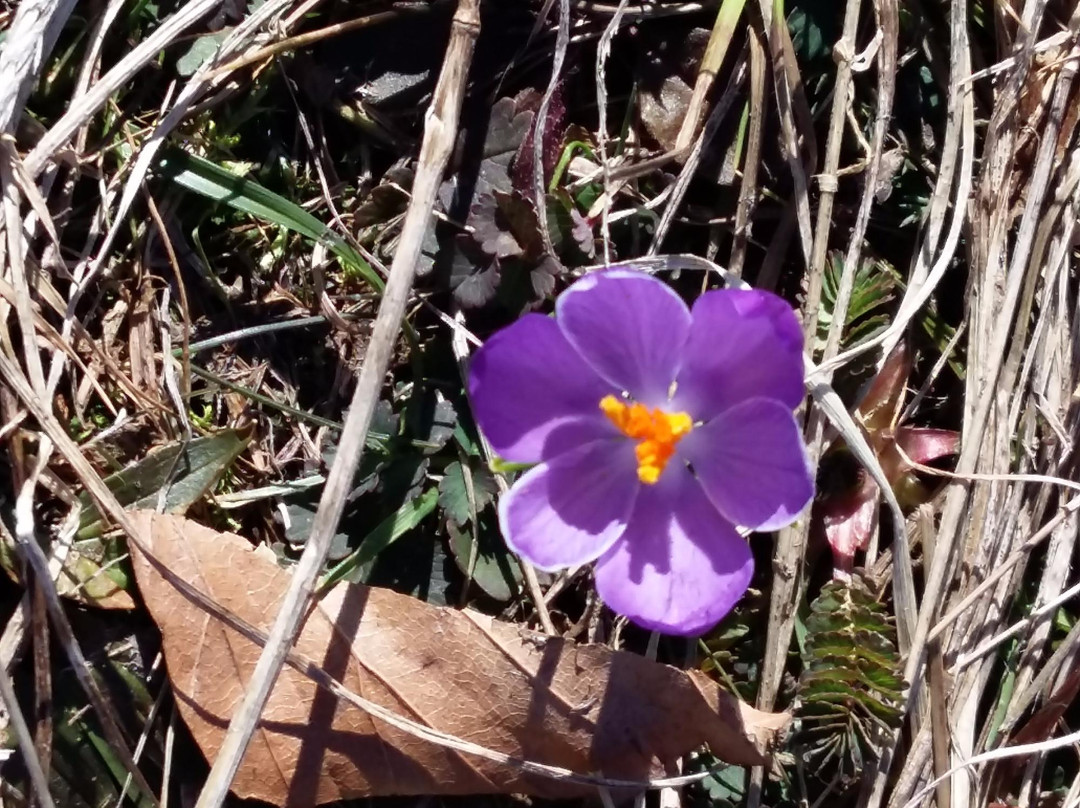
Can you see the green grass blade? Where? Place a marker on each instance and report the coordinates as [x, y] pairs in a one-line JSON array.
[[382, 536], [209, 180]]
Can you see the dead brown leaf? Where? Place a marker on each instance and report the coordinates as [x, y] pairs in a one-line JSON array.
[[580, 707]]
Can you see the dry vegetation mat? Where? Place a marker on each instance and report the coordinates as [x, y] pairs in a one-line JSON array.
[[513, 402]]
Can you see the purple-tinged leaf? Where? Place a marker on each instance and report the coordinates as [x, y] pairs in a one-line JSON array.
[[849, 522], [521, 170], [924, 445], [881, 403], [491, 231]]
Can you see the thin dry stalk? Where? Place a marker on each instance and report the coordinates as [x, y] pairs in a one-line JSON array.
[[562, 42], [308, 38], [719, 41], [1020, 750], [748, 187], [959, 130], [828, 182], [25, 741], [796, 128], [27, 44], [440, 131], [693, 159], [34, 556], [84, 107], [603, 51]]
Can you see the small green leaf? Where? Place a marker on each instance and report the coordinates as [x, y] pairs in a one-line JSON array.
[[482, 557], [874, 287], [851, 687], [571, 234], [454, 492], [400, 522], [214, 182], [188, 468], [432, 420], [201, 49]]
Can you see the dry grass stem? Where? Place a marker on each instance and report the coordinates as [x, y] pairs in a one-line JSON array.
[[439, 133]]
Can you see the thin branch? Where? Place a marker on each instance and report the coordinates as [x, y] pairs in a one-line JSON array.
[[440, 131]]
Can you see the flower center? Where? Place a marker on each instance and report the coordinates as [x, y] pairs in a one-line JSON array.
[[656, 432]]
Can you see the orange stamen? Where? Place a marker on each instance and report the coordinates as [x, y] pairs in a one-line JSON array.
[[656, 431]]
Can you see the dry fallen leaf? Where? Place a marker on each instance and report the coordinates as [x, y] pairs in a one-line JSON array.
[[584, 708]]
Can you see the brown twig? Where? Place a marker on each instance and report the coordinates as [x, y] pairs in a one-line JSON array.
[[307, 38], [748, 187], [25, 741], [440, 131], [843, 52]]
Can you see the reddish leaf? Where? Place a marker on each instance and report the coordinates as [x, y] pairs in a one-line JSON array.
[[880, 405], [506, 226], [849, 522], [847, 514], [490, 229], [521, 170], [924, 445]]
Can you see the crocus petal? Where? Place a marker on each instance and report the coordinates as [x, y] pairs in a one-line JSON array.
[[525, 382], [680, 566], [569, 510], [742, 344], [630, 327], [752, 463]]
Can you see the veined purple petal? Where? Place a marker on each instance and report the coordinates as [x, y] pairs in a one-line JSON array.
[[569, 510], [742, 344], [680, 566], [752, 463], [630, 327], [526, 381]]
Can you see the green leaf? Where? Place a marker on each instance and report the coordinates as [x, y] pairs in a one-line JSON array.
[[85, 768], [188, 468], [400, 522], [201, 49], [418, 565], [851, 687], [214, 182], [571, 234], [454, 496], [874, 287], [431, 420], [79, 776], [727, 786], [482, 557]]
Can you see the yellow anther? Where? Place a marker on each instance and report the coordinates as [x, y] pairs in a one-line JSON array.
[[656, 431]]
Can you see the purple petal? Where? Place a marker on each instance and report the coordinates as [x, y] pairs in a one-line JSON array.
[[752, 462], [680, 566], [743, 344], [569, 510], [525, 382], [630, 327]]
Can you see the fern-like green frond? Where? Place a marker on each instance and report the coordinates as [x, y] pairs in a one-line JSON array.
[[875, 286], [851, 690]]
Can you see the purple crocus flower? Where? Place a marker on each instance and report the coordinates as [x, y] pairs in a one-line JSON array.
[[656, 430]]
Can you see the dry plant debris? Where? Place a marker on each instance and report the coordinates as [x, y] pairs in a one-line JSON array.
[[201, 203], [534, 698]]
